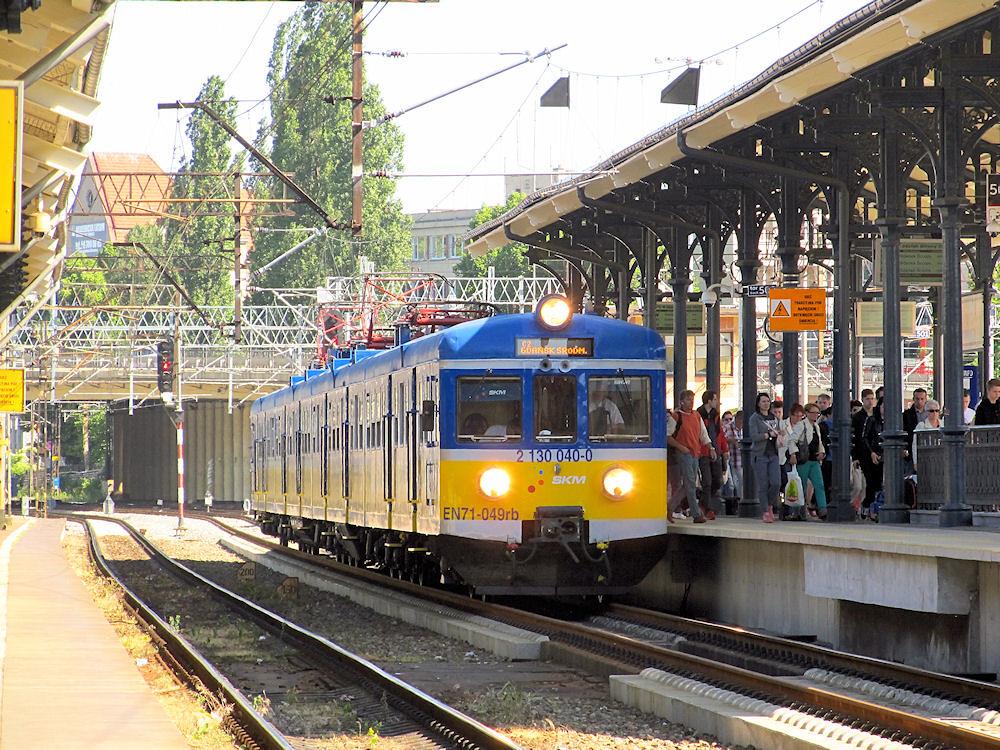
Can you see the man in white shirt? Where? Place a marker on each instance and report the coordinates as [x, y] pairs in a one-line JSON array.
[[601, 401]]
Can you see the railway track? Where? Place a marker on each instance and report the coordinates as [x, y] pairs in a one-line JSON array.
[[770, 669], [332, 675]]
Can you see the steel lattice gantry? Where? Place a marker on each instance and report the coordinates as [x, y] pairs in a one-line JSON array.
[[80, 349], [884, 126]]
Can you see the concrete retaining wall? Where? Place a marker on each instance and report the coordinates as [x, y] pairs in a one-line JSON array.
[[775, 586]]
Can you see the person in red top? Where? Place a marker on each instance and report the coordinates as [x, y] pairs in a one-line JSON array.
[[710, 457], [686, 435]]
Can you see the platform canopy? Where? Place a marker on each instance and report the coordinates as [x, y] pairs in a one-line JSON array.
[[878, 32], [57, 55], [870, 142]]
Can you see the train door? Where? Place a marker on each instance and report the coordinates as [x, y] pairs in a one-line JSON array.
[[324, 464], [427, 438], [356, 461], [338, 464], [402, 502], [297, 426], [412, 450], [386, 444], [284, 427]]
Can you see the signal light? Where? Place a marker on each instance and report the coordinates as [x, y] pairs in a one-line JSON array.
[[165, 366]]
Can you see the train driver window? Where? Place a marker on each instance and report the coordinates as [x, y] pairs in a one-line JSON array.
[[555, 408], [489, 410], [618, 409]]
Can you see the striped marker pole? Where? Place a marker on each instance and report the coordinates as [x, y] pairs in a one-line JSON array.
[[180, 470]]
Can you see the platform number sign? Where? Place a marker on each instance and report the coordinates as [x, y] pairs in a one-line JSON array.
[[993, 199]]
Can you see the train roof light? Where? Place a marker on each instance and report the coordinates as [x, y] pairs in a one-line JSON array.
[[554, 312]]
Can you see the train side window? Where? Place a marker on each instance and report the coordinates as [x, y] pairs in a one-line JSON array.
[[555, 408], [489, 410], [618, 409]]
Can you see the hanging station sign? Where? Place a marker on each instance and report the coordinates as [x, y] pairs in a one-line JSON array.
[[663, 319]]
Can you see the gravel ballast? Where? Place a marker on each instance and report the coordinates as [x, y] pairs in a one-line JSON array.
[[541, 705]]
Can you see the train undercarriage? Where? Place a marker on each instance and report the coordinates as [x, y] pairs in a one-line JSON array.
[[546, 564]]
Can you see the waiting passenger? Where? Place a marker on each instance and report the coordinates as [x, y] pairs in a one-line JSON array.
[[988, 410], [809, 446], [932, 422], [874, 428], [762, 429]]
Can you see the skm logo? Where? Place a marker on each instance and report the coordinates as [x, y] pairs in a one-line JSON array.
[[569, 479]]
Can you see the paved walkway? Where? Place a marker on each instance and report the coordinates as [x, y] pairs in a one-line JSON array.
[[68, 683], [964, 543]]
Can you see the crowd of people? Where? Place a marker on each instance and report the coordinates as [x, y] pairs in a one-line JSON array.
[[790, 453]]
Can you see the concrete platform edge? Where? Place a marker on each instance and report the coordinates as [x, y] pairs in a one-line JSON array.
[[501, 640]]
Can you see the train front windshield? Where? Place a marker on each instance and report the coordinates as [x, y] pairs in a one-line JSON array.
[[618, 409]]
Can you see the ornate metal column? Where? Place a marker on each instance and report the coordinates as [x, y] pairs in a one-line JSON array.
[[711, 273], [894, 439], [788, 253], [948, 199], [650, 277], [748, 264], [680, 280]]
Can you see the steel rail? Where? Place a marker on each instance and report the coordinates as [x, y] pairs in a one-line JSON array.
[[448, 723], [258, 729], [823, 657], [631, 651]]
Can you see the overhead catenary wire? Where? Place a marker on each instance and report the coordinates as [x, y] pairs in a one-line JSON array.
[[496, 140], [695, 61], [393, 115]]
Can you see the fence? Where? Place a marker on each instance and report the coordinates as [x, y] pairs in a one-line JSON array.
[[982, 479]]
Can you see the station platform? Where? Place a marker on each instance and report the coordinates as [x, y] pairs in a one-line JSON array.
[[929, 597], [67, 681]]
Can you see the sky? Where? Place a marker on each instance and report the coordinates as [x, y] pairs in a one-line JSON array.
[[618, 56]]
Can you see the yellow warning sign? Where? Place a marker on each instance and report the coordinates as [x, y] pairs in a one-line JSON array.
[[12, 391], [11, 118], [794, 309]]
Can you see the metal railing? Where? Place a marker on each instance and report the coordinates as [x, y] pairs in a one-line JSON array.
[[982, 480]]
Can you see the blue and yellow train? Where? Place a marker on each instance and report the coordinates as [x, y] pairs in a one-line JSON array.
[[517, 454]]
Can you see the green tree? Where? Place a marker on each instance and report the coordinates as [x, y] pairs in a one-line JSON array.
[[509, 260], [311, 137], [201, 244]]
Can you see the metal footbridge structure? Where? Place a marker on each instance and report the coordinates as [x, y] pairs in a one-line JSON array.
[[80, 349]]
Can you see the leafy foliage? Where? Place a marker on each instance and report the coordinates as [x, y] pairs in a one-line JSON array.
[[311, 138], [509, 260], [200, 236]]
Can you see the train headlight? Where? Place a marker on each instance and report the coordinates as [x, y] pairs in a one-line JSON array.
[[554, 312], [494, 482], [618, 482]]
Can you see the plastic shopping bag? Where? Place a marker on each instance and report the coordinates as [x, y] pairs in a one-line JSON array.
[[858, 485], [793, 489]]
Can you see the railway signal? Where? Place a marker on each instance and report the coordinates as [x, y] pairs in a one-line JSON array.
[[165, 366]]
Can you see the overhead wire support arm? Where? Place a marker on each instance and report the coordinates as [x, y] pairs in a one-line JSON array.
[[271, 166], [393, 115], [169, 277]]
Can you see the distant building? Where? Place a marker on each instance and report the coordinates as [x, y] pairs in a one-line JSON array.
[[117, 193], [526, 184], [437, 240]]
